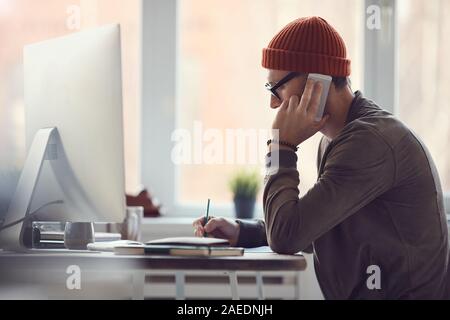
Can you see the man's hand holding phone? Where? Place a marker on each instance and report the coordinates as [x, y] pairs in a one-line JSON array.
[[296, 118]]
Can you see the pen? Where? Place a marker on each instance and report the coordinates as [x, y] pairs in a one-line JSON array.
[[206, 217]]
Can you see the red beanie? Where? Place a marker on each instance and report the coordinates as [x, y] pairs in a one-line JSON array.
[[308, 45]]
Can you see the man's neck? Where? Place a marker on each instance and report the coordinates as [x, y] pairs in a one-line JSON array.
[[343, 104]]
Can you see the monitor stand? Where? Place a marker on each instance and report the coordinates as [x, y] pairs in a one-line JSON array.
[[44, 147]]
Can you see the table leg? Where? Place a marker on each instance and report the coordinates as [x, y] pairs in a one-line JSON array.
[[298, 293], [138, 285], [233, 285], [259, 286], [180, 284]]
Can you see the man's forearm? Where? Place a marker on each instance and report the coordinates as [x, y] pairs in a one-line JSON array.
[[280, 206]]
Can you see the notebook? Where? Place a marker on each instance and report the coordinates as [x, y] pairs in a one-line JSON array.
[[192, 251], [193, 241], [176, 241]]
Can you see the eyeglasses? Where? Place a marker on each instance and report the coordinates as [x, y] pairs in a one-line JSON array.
[[273, 87]]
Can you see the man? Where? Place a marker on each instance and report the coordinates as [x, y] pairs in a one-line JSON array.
[[377, 205]]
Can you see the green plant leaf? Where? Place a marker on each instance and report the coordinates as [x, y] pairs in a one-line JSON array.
[[245, 184]]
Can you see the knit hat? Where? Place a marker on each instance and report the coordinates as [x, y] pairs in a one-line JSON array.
[[308, 45]]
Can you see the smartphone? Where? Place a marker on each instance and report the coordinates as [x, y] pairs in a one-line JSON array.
[[326, 82]]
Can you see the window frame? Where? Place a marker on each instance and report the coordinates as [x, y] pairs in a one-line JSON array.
[[159, 85]]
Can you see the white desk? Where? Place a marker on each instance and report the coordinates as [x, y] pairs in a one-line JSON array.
[[12, 265]]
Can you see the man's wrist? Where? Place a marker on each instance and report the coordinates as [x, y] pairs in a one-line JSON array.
[[252, 233], [280, 144], [281, 159], [237, 234], [275, 146]]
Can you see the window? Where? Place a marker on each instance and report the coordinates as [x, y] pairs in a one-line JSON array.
[[220, 79], [424, 76], [26, 21]]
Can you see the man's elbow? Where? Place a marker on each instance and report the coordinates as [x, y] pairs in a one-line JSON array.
[[284, 233], [283, 245]]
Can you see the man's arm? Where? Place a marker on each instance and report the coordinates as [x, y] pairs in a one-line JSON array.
[[359, 168], [253, 233]]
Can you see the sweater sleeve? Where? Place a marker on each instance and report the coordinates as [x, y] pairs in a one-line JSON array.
[[252, 233]]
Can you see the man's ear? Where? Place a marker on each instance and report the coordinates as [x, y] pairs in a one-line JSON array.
[[333, 94]]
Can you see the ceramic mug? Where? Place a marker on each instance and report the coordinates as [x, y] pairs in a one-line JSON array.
[[77, 235]]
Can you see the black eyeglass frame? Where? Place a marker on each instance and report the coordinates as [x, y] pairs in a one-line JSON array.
[[285, 79]]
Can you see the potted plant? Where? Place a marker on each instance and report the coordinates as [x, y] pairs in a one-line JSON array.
[[245, 186]]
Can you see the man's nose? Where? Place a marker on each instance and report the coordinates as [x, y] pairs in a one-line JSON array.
[[274, 102]]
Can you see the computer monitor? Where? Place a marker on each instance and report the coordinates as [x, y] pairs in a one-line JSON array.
[[73, 88]]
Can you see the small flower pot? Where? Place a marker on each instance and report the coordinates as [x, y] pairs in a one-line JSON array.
[[244, 207]]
